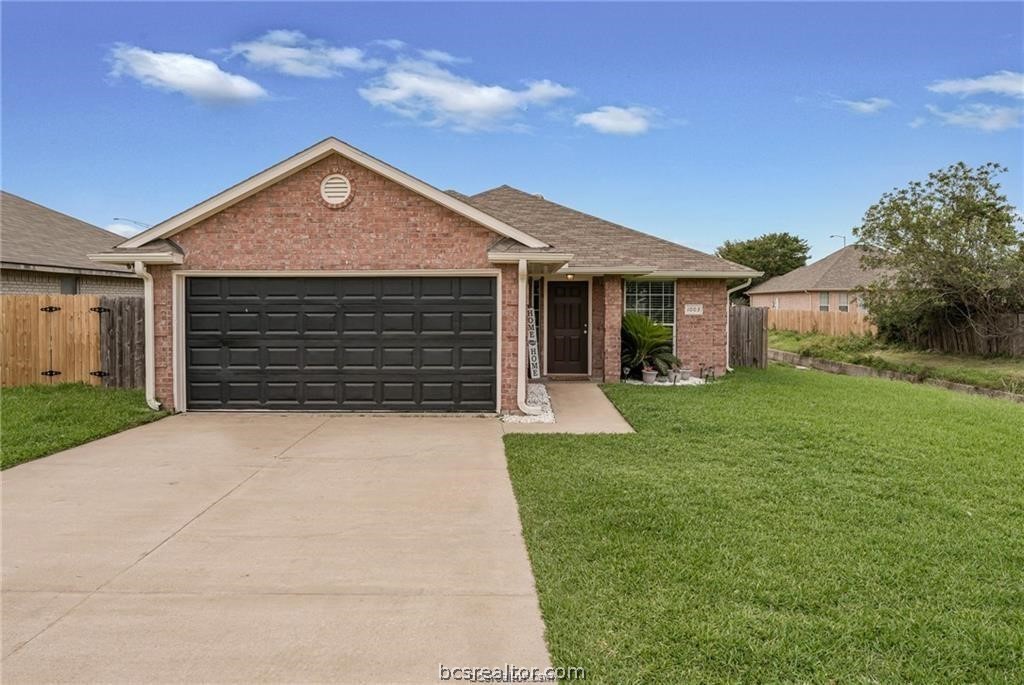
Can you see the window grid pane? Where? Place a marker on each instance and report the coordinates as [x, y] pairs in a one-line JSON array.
[[656, 299]]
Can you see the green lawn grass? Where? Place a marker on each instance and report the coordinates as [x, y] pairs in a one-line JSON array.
[[782, 526], [37, 420], [1000, 373]]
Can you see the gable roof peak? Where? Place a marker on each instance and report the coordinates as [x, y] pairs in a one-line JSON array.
[[305, 158]]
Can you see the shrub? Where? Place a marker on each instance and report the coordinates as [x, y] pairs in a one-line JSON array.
[[646, 344]]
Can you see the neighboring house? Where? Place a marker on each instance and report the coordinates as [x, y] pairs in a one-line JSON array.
[[335, 281], [828, 285], [43, 251]]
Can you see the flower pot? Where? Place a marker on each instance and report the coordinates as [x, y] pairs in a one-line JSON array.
[[649, 376], [684, 374]]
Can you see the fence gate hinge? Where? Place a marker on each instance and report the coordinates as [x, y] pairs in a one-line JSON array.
[[50, 373], [99, 310], [49, 308], [100, 374]]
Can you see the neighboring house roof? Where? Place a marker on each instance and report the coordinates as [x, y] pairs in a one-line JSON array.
[[595, 244], [841, 270], [311, 155], [34, 236]]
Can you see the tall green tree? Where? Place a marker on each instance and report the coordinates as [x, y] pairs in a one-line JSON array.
[[772, 253], [953, 249]]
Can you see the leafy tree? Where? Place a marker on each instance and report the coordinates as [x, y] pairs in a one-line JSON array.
[[954, 254], [773, 253]]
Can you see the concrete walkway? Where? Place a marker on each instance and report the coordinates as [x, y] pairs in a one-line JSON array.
[[271, 548], [579, 407]]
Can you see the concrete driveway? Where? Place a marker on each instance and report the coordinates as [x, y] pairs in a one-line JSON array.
[[285, 548]]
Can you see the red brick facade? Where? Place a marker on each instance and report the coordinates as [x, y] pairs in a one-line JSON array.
[[287, 227], [612, 287], [700, 340], [386, 227]]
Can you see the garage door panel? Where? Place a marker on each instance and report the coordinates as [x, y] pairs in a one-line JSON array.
[[358, 322], [360, 344]]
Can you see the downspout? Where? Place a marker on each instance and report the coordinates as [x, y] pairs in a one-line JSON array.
[[521, 371], [728, 311], [150, 345]]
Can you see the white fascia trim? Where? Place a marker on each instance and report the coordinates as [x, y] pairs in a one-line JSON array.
[[514, 258], [703, 274], [132, 257], [612, 270], [310, 155]]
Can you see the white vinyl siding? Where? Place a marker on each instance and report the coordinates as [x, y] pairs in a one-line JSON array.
[[656, 299]]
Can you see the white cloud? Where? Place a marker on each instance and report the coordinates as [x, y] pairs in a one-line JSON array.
[[425, 92], [1010, 83], [623, 121], [442, 57], [868, 106], [917, 122], [178, 72], [124, 230], [389, 43], [980, 116], [295, 54]]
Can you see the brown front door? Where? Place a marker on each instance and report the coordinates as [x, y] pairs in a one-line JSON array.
[[567, 327]]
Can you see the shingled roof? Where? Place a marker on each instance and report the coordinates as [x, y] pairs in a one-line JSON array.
[[595, 244], [32, 235], [841, 270]]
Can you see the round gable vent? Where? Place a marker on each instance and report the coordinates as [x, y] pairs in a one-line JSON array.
[[335, 190]]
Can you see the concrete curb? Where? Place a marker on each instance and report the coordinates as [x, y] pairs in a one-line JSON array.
[[846, 369]]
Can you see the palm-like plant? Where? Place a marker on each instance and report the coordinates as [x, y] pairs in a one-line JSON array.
[[646, 343]]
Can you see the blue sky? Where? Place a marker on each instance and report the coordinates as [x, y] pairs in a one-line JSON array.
[[696, 122]]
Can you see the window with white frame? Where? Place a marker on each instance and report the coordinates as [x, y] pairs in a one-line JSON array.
[[656, 299], [823, 302], [844, 302]]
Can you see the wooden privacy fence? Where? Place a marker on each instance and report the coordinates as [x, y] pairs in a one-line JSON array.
[[964, 340], [748, 336], [72, 339], [828, 323]]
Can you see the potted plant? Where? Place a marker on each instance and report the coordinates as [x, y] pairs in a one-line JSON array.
[[646, 345], [650, 374]]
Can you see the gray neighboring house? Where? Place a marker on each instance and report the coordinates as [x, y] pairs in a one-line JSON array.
[[43, 251], [827, 285]]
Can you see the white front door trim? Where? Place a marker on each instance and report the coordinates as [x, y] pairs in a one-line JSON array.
[[590, 317]]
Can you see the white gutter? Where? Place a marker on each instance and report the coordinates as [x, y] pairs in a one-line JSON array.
[[521, 370], [150, 347], [539, 257], [130, 257], [728, 310]]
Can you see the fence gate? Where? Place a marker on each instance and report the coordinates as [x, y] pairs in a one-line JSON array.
[[748, 336], [72, 339]]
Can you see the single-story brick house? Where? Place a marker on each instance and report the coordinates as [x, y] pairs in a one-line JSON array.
[[45, 252], [827, 285], [334, 281]]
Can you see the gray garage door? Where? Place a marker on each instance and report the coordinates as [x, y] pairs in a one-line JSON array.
[[358, 344]]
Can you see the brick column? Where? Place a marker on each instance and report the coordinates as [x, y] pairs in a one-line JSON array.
[[700, 340], [612, 328]]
